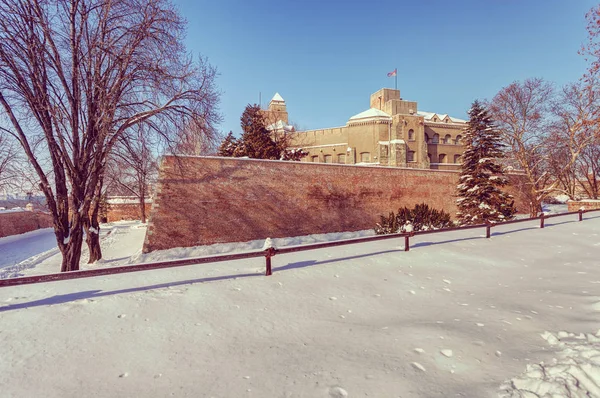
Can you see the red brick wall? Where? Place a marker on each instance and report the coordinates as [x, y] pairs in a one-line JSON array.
[[126, 211], [23, 221], [202, 200], [586, 204]]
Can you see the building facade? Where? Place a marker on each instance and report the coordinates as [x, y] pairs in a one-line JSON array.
[[392, 132]]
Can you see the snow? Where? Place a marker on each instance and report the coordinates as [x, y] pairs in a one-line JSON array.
[[36, 252], [575, 372], [114, 200], [13, 210], [395, 328], [372, 113]]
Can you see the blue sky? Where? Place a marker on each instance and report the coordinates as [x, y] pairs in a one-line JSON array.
[[326, 57]]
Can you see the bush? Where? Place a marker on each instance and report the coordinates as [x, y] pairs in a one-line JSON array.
[[421, 217]]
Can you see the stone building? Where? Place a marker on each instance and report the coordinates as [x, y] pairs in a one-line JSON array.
[[392, 132]]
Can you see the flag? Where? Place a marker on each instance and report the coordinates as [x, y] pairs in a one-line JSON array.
[[393, 73]]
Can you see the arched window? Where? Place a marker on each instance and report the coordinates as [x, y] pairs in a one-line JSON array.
[[448, 139], [410, 156], [457, 159], [328, 158], [411, 135], [315, 159], [427, 140], [459, 140], [341, 158], [442, 158], [365, 157], [436, 138]]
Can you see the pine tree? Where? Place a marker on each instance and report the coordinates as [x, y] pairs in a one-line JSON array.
[[256, 138], [228, 146], [257, 141], [480, 198]]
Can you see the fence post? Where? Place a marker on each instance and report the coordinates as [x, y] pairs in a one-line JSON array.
[[270, 252], [580, 215], [406, 242], [488, 228], [542, 220]]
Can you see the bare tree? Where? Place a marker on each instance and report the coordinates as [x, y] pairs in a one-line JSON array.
[[521, 113], [571, 135], [8, 159], [196, 138], [132, 167], [76, 75]]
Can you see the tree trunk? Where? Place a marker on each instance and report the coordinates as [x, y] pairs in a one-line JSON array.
[[72, 249], [143, 205], [92, 237]]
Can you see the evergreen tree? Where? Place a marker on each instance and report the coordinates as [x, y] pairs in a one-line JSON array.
[[256, 138], [480, 198], [229, 146], [257, 141]]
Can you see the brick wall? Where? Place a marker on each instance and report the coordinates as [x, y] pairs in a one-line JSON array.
[[586, 204], [126, 211], [202, 200], [23, 221]]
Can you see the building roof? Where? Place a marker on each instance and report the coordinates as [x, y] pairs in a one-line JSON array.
[[370, 114], [429, 117], [277, 98]]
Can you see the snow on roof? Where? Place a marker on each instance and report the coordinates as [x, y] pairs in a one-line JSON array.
[[280, 125], [277, 98], [429, 116], [372, 113]]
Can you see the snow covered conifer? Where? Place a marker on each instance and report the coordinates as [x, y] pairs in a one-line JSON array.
[[228, 146], [480, 197]]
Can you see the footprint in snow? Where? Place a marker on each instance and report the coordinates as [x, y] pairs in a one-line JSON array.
[[446, 353], [418, 366], [338, 392]]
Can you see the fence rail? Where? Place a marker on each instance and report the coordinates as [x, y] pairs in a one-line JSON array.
[[268, 253]]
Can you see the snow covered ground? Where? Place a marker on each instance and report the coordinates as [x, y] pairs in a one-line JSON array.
[[35, 252], [458, 315]]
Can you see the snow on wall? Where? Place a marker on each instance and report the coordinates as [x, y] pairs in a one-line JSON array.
[[202, 201]]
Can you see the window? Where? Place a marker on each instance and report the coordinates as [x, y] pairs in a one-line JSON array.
[[341, 158], [429, 157], [459, 140], [365, 157], [410, 156], [328, 158], [447, 139], [427, 140], [315, 159], [411, 134], [442, 158], [436, 138], [457, 159]]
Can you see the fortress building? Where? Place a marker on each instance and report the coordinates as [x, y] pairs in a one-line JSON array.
[[392, 132]]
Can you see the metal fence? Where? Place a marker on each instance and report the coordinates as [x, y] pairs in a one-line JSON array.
[[269, 253]]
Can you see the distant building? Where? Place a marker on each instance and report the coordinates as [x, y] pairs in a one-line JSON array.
[[392, 132]]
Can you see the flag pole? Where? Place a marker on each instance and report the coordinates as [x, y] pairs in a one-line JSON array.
[[396, 80]]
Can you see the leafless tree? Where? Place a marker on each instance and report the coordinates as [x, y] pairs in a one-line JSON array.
[[571, 135], [8, 159], [196, 138], [76, 75], [132, 167], [521, 113]]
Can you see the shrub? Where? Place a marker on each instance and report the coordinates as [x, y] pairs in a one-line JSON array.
[[421, 217]]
